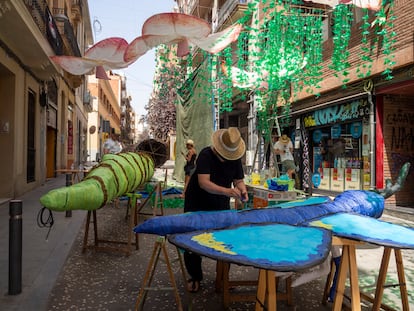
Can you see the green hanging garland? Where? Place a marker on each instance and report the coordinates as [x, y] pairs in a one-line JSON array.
[[364, 70], [343, 17]]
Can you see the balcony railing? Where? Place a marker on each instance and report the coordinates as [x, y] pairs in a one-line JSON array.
[[42, 17], [70, 36], [226, 11]]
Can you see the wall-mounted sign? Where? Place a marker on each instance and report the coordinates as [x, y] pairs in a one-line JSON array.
[[317, 136], [356, 129], [340, 113], [316, 180], [70, 137]]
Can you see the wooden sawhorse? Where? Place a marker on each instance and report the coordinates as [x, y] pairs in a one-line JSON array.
[[224, 283], [267, 296], [133, 221], [158, 202], [348, 264], [159, 247]]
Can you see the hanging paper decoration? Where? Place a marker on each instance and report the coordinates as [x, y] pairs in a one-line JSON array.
[[383, 25], [341, 29], [364, 70], [181, 29], [164, 28], [281, 50], [104, 55]]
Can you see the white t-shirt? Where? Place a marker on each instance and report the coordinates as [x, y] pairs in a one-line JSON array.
[[112, 146], [287, 155]]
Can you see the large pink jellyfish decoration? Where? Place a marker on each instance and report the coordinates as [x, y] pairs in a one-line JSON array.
[[164, 28], [170, 28], [104, 55]]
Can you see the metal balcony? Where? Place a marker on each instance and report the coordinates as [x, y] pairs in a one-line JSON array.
[[28, 34], [66, 29], [230, 12]]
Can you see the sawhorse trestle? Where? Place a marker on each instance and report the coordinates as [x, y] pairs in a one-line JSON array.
[[160, 246], [348, 265], [133, 221], [158, 206], [266, 288]]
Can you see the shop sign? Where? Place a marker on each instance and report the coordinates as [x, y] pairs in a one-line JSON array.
[[316, 179], [70, 137], [356, 130], [349, 111], [336, 131]]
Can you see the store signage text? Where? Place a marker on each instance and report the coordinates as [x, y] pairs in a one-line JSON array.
[[402, 130], [339, 113]]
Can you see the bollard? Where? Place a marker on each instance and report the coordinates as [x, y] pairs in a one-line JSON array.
[[68, 183], [15, 247]]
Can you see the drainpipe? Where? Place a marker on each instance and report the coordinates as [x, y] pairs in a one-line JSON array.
[[368, 89], [251, 121]]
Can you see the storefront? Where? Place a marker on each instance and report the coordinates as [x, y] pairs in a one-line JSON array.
[[340, 139]]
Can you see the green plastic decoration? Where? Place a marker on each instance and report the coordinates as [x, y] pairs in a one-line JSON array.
[[282, 46]]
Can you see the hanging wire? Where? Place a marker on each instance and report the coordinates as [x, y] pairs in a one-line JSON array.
[[97, 27]]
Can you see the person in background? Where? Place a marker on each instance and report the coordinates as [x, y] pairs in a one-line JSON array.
[[218, 176], [284, 148], [112, 144], [189, 166]]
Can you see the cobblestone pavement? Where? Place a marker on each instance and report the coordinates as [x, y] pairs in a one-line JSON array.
[[97, 280]]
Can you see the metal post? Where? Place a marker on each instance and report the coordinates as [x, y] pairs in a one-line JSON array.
[[373, 146], [68, 183], [15, 247]]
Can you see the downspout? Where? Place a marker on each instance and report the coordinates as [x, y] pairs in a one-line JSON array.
[[254, 98], [251, 125], [368, 88]]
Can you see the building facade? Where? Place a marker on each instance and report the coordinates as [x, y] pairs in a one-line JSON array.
[[105, 117], [43, 110], [357, 128], [361, 135]]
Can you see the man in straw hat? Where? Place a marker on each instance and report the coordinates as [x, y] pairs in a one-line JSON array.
[[218, 177], [284, 148]]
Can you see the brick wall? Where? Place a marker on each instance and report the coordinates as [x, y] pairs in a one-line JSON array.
[[404, 50], [398, 129]]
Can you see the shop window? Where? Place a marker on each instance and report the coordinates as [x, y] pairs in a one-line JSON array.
[[339, 156]]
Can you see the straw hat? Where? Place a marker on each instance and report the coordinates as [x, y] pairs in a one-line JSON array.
[[190, 142], [228, 143], [284, 139]]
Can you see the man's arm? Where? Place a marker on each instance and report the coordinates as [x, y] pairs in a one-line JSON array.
[[207, 185], [239, 184]]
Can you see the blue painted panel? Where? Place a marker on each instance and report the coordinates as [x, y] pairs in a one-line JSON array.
[[277, 247], [368, 229]]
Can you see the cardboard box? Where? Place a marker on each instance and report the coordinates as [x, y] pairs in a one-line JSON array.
[[263, 197], [325, 178], [352, 179], [337, 179]]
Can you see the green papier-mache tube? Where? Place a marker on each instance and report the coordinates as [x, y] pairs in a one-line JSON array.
[[113, 177]]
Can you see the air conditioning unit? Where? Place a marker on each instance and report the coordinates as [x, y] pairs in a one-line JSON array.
[[87, 97]]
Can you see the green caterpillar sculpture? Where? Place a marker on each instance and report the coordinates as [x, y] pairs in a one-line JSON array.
[[116, 175]]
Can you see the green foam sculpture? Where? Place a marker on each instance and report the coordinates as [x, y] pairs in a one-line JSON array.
[[116, 175]]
